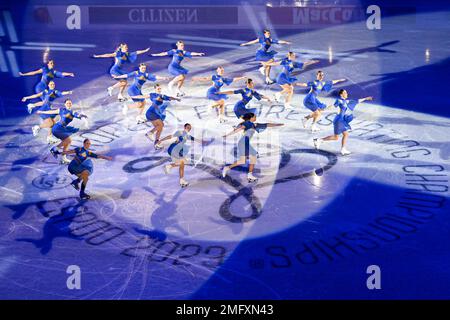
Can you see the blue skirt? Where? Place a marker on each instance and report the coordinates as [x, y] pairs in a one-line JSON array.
[[262, 55], [284, 78], [342, 123], [135, 91], [152, 115], [63, 132], [240, 109], [212, 94], [312, 103], [177, 151], [116, 71], [176, 69], [46, 107], [245, 149], [77, 168], [41, 86]]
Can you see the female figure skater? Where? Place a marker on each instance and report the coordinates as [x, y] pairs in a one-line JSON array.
[[247, 94], [139, 78], [245, 149], [175, 67], [48, 74], [61, 129], [82, 167], [218, 80], [311, 100], [157, 113], [285, 78], [342, 120], [178, 151], [263, 54], [121, 56], [49, 96]]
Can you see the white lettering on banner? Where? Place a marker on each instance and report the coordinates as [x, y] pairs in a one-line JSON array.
[[322, 15], [163, 15]]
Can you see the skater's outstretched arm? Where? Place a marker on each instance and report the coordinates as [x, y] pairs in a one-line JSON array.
[[161, 54], [138, 52], [301, 84], [106, 55], [56, 111], [68, 152], [226, 92], [162, 78], [201, 79], [166, 138], [338, 81], [284, 42], [249, 43], [266, 98], [270, 125], [123, 76], [236, 130], [365, 99], [33, 96], [65, 93], [68, 74], [310, 62], [238, 78], [31, 73]]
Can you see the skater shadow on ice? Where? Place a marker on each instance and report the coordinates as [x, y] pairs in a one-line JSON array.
[[163, 217], [58, 226]]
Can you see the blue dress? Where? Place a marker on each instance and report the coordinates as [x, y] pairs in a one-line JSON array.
[[247, 95], [120, 59], [288, 67], [311, 100], [139, 79], [245, 149], [179, 149], [61, 129], [342, 120], [264, 54], [175, 67], [49, 97], [218, 82], [47, 76], [158, 108], [81, 161]]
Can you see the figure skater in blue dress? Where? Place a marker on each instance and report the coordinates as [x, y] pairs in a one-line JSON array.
[[82, 166], [175, 67], [178, 151], [311, 100], [264, 54], [285, 78], [121, 56], [156, 114], [245, 148], [48, 120], [61, 129], [139, 78], [342, 120], [48, 73], [218, 81], [247, 95]]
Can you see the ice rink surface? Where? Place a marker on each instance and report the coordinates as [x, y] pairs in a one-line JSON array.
[[310, 226]]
